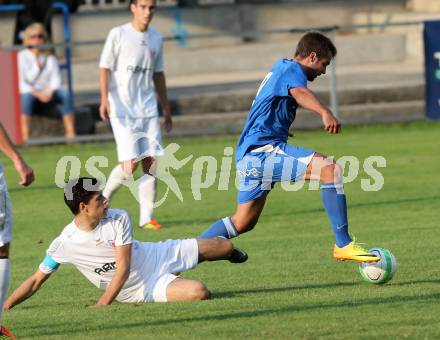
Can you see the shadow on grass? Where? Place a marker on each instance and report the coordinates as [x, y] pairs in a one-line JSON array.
[[233, 293], [237, 315]]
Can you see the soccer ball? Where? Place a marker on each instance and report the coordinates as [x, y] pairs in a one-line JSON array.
[[381, 271]]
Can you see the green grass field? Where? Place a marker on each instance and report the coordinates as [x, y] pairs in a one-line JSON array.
[[290, 287]]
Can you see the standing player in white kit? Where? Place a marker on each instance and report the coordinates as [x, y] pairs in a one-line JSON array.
[[131, 71], [26, 177]]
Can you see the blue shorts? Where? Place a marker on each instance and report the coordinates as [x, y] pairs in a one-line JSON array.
[[261, 168], [30, 104]]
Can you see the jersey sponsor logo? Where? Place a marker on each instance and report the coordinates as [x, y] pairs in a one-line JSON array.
[[105, 268], [137, 69]]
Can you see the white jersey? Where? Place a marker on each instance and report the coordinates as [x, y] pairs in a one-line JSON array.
[[132, 58], [93, 254], [38, 73]]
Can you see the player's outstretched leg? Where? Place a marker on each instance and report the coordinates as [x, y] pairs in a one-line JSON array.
[[333, 198], [187, 290], [244, 219], [214, 249]]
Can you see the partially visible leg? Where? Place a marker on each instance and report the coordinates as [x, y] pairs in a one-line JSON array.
[[4, 276], [25, 122], [244, 219], [147, 192], [61, 97], [118, 175], [27, 105], [186, 290], [329, 173], [214, 249], [69, 125]]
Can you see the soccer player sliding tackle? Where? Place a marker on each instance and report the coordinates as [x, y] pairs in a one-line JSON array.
[[98, 242], [263, 156]]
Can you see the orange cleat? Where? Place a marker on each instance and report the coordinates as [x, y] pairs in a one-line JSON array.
[[152, 225], [6, 334]]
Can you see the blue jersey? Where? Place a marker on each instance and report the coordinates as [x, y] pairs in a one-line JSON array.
[[273, 109]]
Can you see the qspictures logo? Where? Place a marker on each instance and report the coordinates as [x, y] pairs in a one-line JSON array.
[[209, 172]]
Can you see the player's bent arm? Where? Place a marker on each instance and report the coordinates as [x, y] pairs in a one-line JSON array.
[[28, 288], [161, 89], [123, 260], [104, 79], [8, 148], [307, 99]]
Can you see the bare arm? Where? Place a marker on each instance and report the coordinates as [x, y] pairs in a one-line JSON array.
[[161, 89], [28, 288], [307, 99], [123, 260], [104, 108], [8, 148]]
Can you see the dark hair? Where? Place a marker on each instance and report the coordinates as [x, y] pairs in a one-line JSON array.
[[315, 42], [80, 190], [135, 2]]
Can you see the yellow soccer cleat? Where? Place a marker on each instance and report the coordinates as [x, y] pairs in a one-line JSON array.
[[353, 251]]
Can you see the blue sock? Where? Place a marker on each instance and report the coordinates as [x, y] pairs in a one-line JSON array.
[[333, 198], [222, 228]]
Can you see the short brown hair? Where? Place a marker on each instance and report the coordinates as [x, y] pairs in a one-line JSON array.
[[315, 42]]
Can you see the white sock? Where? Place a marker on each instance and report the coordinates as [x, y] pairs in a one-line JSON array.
[[117, 176], [147, 194], [4, 283]]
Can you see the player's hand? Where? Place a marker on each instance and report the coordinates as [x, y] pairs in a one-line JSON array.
[[104, 109], [26, 173], [45, 98], [98, 305], [168, 123], [331, 124], [42, 97]]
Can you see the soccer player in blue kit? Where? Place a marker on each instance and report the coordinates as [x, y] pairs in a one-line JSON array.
[[263, 156]]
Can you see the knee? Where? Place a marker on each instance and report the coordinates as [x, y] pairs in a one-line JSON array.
[[332, 173], [129, 168], [199, 292], [4, 250]]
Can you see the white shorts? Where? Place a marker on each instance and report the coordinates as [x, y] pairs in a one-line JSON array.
[[136, 138], [171, 256], [5, 214]]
